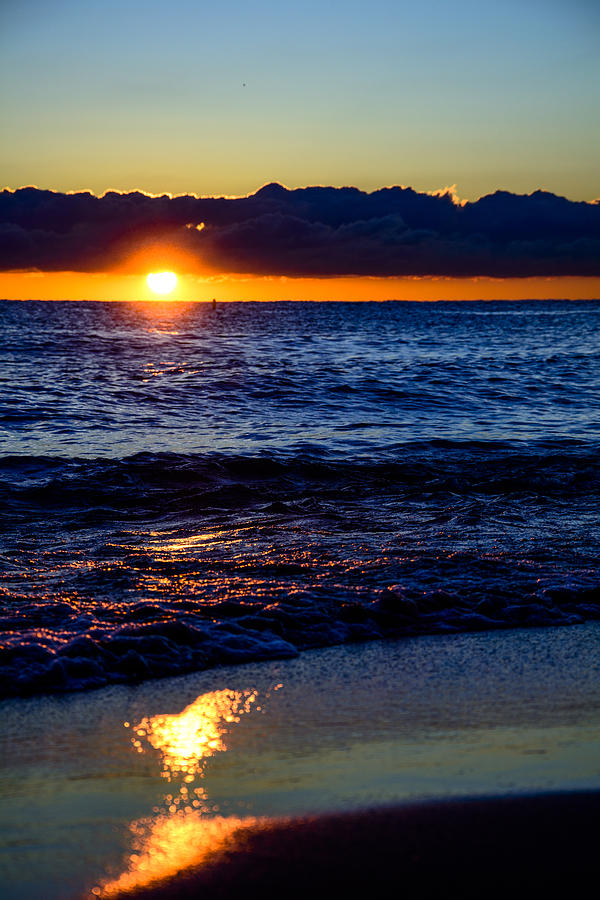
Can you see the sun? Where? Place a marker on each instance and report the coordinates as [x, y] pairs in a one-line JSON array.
[[162, 282]]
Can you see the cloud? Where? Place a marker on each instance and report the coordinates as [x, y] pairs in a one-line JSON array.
[[313, 231]]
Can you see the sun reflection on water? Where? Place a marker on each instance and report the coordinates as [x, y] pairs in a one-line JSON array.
[[168, 844], [184, 832], [186, 740]]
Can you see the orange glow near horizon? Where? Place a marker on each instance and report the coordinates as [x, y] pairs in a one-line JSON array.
[[128, 286]]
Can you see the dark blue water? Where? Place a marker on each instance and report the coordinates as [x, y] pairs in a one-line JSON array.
[[182, 487]]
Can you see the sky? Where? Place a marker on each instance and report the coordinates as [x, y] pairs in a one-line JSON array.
[[194, 98]]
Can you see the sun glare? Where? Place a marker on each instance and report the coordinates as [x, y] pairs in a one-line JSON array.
[[162, 282]]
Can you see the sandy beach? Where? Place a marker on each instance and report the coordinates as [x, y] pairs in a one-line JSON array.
[[312, 774]]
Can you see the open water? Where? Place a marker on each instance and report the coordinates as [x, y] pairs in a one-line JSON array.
[[182, 487]]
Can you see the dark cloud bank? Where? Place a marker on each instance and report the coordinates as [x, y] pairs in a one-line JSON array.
[[314, 231]]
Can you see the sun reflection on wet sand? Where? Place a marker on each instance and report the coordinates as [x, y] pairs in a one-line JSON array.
[[185, 832], [186, 740], [168, 844]]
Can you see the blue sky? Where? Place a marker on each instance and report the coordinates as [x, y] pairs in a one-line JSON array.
[[151, 95]]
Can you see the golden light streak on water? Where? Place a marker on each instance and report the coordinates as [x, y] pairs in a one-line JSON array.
[[171, 843], [184, 834], [187, 739]]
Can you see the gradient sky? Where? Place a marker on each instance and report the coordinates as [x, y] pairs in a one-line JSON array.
[[151, 95], [191, 97]]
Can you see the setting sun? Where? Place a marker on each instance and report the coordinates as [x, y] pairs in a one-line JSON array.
[[162, 282]]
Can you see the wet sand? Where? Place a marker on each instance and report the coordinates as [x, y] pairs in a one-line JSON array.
[[484, 847], [255, 779]]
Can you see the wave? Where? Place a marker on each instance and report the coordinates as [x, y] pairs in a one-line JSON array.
[[117, 570], [144, 481]]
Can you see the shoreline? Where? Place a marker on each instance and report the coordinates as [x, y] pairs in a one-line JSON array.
[[132, 783], [371, 627]]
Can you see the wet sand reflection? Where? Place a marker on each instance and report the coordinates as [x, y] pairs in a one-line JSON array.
[[168, 844], [185, 831], [185, 741]]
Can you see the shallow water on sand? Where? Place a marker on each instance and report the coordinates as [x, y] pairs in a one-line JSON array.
[[133, 782]]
